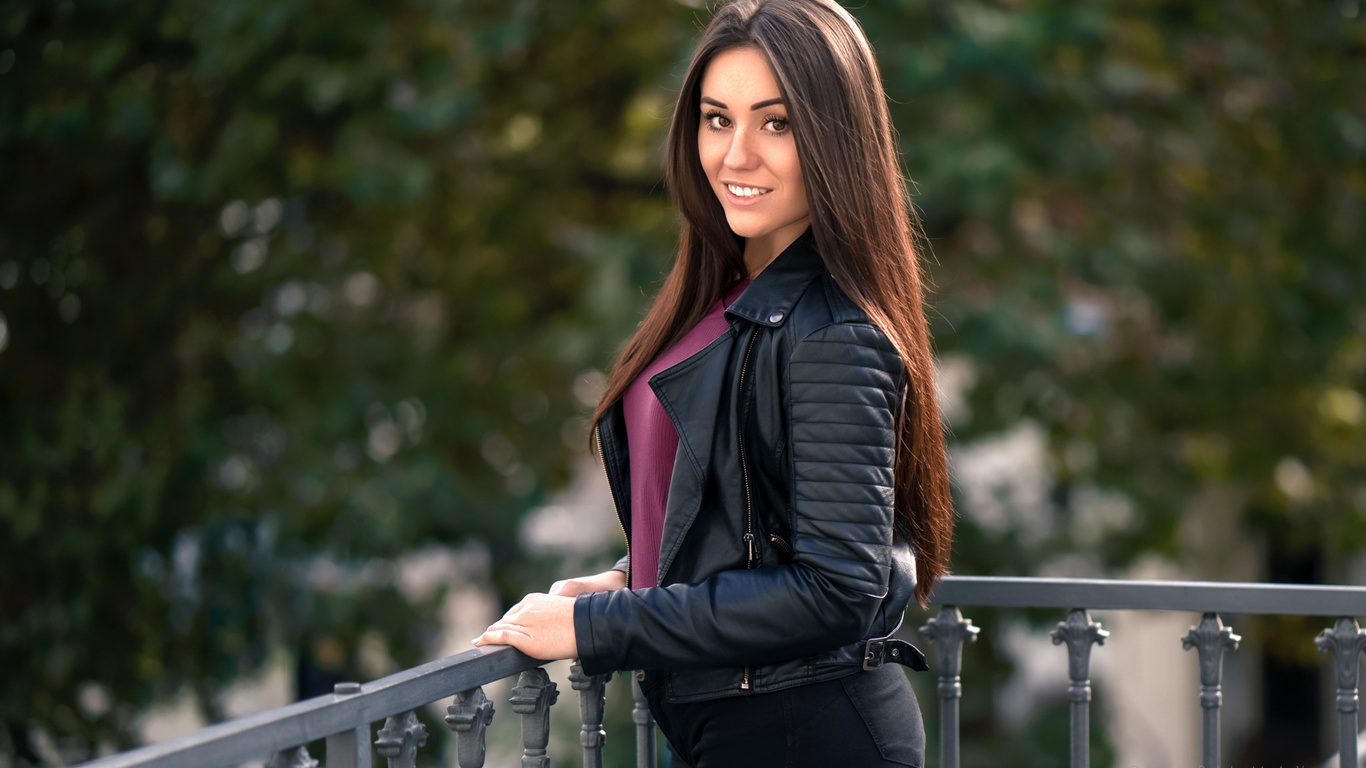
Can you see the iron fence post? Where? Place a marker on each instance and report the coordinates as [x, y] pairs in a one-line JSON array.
[[948, 631], [1210, 640], [400, 738], [1345, 640], [532, 699], [349, 749], [469, 717], [1079, 632], [592, 703], [645, 726]]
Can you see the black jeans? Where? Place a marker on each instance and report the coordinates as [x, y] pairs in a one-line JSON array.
[[866, 720]]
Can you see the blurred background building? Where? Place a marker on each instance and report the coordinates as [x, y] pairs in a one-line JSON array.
[[303, 306]]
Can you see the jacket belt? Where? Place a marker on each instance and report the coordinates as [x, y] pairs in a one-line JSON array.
[[882, 650]]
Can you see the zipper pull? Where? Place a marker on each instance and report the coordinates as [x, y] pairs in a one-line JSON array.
[[749, 543], [781, 543]]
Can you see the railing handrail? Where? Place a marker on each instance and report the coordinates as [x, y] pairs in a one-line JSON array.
[[344, 717], [1145, 595], [255, 736]]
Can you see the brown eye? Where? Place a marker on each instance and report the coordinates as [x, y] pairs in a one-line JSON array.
[[716, 121], [779, 124]]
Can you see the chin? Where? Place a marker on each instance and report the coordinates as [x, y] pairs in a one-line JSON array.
[[748, 228]]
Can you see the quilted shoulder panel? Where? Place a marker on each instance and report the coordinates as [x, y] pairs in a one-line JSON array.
[[845, 385]]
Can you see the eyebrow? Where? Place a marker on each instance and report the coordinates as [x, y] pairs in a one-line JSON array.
[[754, 106]]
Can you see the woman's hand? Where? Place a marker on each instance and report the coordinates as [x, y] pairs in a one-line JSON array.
[[607, 581], [541, 626]]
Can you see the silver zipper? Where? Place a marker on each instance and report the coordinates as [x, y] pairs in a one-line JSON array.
[[597, 433], [752, 559], [751, 556]]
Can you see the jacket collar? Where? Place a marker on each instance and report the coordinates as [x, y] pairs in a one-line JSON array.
[[769, 299]]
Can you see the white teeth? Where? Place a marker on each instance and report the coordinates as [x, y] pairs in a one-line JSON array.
[[747, 191]]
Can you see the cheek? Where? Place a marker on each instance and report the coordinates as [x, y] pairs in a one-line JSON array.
[[792, 169], [792, 176], [710, 152]]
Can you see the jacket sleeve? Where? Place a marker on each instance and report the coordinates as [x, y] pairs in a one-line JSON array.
[[844, 384]]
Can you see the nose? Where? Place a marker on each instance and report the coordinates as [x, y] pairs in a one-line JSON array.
[[740, 155]]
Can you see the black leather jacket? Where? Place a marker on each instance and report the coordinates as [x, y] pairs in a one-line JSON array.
[[778, 561]]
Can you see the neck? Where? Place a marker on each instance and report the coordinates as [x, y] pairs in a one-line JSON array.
[[761, 251]]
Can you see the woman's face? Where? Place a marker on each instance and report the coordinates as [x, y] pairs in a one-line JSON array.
[[747, 150]]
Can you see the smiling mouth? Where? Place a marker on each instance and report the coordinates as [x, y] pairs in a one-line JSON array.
[[747, 193]]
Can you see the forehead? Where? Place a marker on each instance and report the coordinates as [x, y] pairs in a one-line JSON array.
[[740, 76]]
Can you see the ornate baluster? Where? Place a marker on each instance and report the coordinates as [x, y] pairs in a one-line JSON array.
[[645, 725], [948, 631], [349, 749], [400, 738], [532, 699], [592, 703], [1210, 640], [469, 717], [1346, 640], [1079, 632], [297, 757]]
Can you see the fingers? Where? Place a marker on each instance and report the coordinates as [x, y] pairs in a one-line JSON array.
[[540, 626], [572, 587], [516, 626], [501, 634]]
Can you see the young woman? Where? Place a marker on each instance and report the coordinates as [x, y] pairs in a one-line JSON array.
[[770, 433]]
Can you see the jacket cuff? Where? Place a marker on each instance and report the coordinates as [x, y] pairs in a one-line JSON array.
[[589, 659]]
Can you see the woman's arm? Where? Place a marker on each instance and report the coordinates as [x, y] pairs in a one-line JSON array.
[[845, 389]]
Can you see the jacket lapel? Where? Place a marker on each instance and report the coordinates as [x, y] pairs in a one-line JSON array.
[[691, 394]]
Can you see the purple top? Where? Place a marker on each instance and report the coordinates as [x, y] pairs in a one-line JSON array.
[[652, 443]]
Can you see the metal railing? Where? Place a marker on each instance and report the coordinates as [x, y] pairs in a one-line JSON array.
[[344, 717], [1345, 640]]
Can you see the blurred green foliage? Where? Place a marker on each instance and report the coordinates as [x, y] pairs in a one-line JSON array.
[[1149, 227], [288, 284], [293, 283]]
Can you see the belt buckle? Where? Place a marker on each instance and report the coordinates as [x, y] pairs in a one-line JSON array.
[[872, 655]]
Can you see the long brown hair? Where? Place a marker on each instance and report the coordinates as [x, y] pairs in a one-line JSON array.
[[860, 220]]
